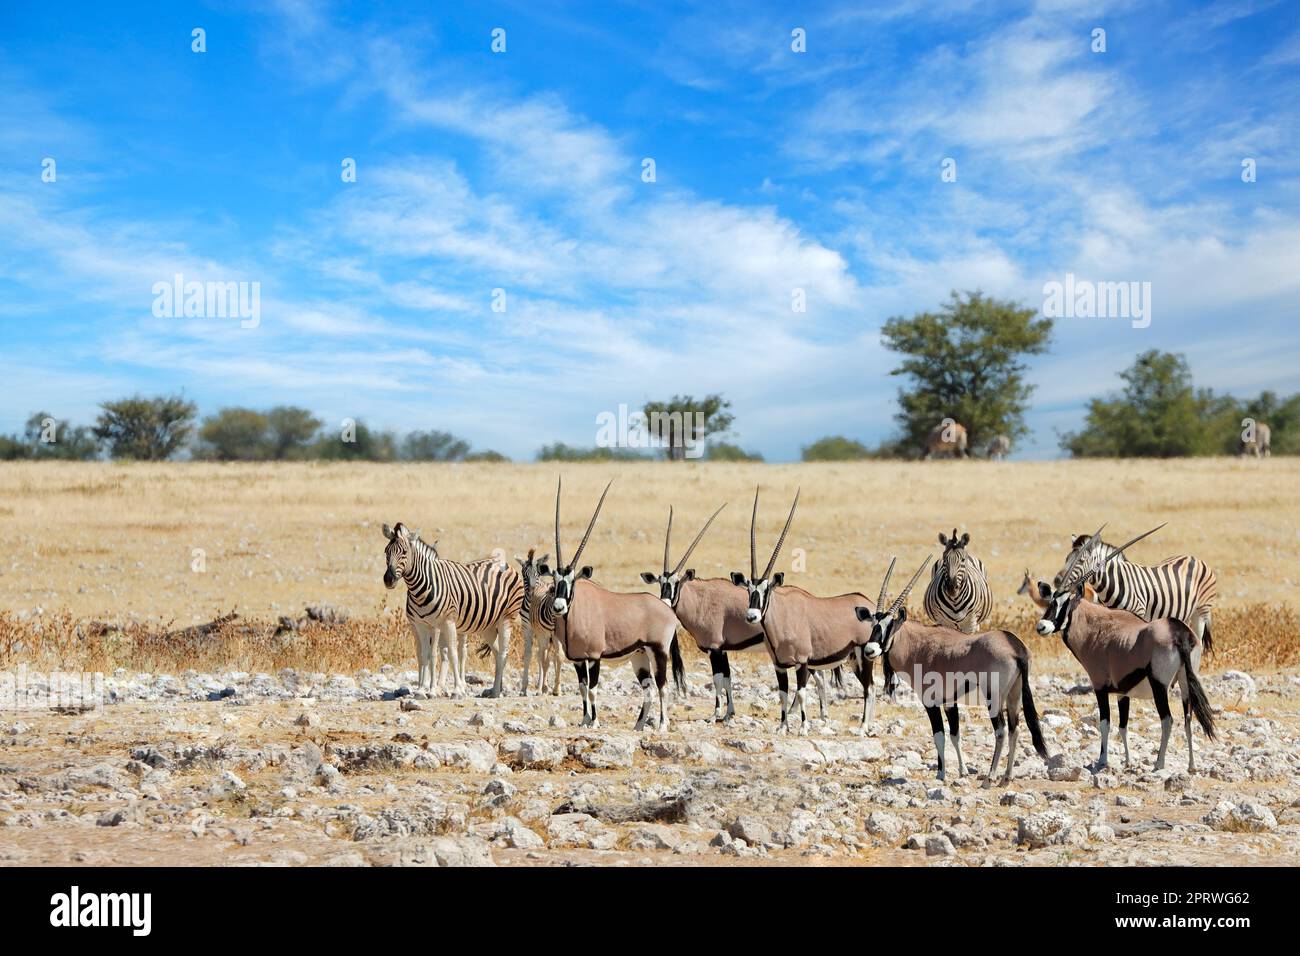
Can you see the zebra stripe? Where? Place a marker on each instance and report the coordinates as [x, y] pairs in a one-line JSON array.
[[963, 600], [474, 597], [1182, 587]]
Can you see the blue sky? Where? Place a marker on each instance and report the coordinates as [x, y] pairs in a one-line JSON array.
[[521, 171]]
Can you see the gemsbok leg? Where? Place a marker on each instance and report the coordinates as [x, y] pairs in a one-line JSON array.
[[954, 730], [1187, 719], [642, 667], [801, 694], [936, 728], [1103, 725], [1123, 727], [1160, 693]]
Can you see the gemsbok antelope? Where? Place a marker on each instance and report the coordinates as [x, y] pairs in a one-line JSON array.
[[942, 668], [539, 623], [712, 611], [595, 625], [946, 440], [804, 632], [444, 598], [958, 595], [1182, 587], [1126, 655]]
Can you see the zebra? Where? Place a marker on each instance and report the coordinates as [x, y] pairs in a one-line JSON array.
[[999, 447], [958, 595], [444, 597], [539, 622], [1182, 587]]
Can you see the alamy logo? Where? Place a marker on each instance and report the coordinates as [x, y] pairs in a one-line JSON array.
[[103, 909], [1083, 299], [635, 429], [210, 300]]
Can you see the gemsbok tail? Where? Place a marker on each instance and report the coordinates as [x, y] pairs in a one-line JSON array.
[[679, 666], [1027, 705], [837, 677], [1195, 692]]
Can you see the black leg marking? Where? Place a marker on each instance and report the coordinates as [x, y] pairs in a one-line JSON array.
[[1160, 693], [1123, 713], [952, 720], [936, 719], [801, 681], [1103, 705]]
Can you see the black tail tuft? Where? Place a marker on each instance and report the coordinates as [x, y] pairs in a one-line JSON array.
[[679, 666], [1195, 692], [1027, 705], [837, 677]]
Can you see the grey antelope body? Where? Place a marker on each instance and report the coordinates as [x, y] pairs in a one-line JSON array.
[[595, 625], [445, 598], [804, 632], [1182, 587], [942, 668], [946, 440], [713, 611], [1261, 445], [958, 595], [999, 447], [539, 623], [1126, 655]]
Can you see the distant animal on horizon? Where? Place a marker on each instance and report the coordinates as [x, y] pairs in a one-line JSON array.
[[1262, 446], [999, 448], [946, 440]]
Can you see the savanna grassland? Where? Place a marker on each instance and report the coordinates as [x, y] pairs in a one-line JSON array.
[[257, 742]]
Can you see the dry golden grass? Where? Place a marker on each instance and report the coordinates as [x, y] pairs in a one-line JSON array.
[[117, 541]]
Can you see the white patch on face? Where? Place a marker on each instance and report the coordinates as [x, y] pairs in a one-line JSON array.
[[872, 650], [1045, 627], [753, 616]]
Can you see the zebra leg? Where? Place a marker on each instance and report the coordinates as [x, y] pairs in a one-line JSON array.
[[438, 659], [528, 658], [1103, 724], [449, 635], [1160, 693], [954, 731], [464, 660], [500, 645], [783, 691], [1123, 727]]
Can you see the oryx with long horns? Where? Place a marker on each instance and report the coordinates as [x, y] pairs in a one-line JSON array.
[[943, 667], [594, 625], [802, 631], [713, 611], [1124, 654]]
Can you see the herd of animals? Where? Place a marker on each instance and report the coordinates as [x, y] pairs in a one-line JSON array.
[[1137, 630], [948, 439]]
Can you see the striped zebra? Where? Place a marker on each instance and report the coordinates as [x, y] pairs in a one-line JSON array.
[[958, 595], [539, 622], [445, 599], [1182, 587]]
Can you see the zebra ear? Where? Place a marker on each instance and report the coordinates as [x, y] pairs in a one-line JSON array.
[[943, 539], [543, 569], [414, 535], [389, 533], [1080, 540], [965, 539]]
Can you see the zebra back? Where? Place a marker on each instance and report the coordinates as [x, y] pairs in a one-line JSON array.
[[475, 597], [1181, 587], [968, 605]]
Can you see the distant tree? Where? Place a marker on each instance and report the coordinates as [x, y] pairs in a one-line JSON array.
[[68, 442], [836, 448], [722, 451], [965, 363], [235, 434], [559, 451], [367, 445], [685, 420], [148, 429], [291, 431], [489, 455], [1159, 414], [434, 446]]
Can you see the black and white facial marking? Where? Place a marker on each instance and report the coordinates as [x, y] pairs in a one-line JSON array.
[[884, 626], [670, 583], [760, 593], [1060, 605], [565, 578], [397, 554]]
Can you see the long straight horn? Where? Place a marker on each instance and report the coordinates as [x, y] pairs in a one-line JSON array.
[[668, 536], [1079, 553], [559, 555], [1120, 550], [902, 597], [578, 553], [753, 548], [685, 557], [884, 585], [781, 540]]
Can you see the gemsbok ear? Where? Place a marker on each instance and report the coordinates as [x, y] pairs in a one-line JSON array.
[[389, 532], [690, 575], [863, 613], [586, 571], [738, 579], [778, 579], [648, 577], [1044, 590], [902, 614]]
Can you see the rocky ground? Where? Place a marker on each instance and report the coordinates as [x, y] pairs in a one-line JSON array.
[[296, 768]]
